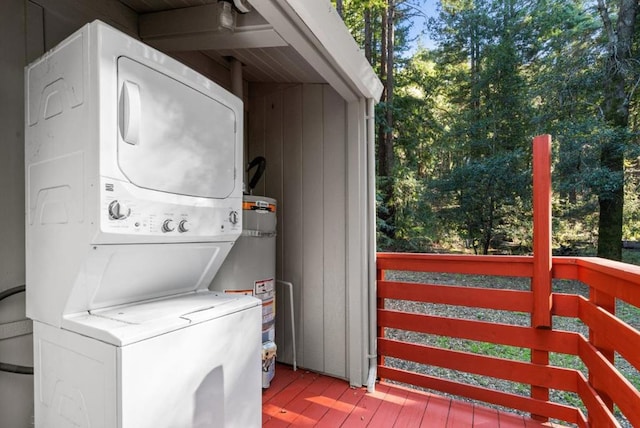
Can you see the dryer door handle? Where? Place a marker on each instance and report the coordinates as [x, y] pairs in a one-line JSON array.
[[131, 112]]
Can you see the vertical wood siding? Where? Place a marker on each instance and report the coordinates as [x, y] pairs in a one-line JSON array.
[[300, 130], [16, 404]]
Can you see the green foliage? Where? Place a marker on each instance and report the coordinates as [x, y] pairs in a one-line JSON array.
[[464, 115], [490, 195], [631, 223]]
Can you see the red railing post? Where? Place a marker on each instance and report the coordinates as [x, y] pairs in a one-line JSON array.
[[380, 301], [541, 280], [597, 339]]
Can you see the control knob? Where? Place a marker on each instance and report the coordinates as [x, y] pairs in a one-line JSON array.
[[234, 217], [168, 226], [118, 211], [183, 226]]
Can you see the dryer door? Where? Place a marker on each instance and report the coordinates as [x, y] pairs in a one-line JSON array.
[[172, 137]]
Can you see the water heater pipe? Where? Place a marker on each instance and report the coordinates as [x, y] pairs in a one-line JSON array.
[[371, 246], [236, 78], [293, 321], [237, 90]]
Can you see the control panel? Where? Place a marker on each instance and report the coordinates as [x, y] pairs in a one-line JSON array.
[[125, 212]]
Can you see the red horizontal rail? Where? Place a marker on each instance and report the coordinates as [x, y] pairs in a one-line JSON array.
[[499, 368], [507, 300], [619, 335], [605, 384], [619, 280], [502, 334], [553, 410], [518, 266], [606, 378], [599, 413], [565, 305]]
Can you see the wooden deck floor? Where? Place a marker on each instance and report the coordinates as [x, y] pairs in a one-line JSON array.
[[303, 398]]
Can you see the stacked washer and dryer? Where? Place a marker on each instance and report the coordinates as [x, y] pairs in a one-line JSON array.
[[133, 202]]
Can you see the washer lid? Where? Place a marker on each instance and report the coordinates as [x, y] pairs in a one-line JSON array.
[[172, 137], [126, 324]]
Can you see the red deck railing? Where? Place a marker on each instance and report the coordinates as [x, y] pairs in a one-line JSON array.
[[599, 387]]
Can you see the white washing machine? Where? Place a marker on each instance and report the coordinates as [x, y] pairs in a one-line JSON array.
[[133, 194], [186, 361]]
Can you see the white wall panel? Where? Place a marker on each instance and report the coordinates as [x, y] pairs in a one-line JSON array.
[[306, 146], [334, 226], [16, 390], [313, 226], [291, 213]]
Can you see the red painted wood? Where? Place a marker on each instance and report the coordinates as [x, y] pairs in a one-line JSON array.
[[484, 417], [460, 415], [564, 268], [436, 413], [608, 281], [615, 333], [526, 404], [507, 420], [274, 408], [305, 405], [285, 377], [413, 410], [515, 371], [380, 277], [599, 414], [565, 305], [364, 410], [342, 407], [541, 359], [541, 279], [332, 403], [520, 266], [619, 280], [607, 380], [504, 334], [390, 408], [597, 336], [321, 404], [508, 300]]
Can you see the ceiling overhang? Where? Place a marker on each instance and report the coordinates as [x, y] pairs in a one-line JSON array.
[[294, 41], [196, 28]]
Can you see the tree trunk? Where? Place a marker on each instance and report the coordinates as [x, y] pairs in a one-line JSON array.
[[385, 127], [368, 35], [616, 114], [390, 85], [383, 166]]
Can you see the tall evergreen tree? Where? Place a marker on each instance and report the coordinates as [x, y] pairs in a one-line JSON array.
[[491, 122], [619, 81]]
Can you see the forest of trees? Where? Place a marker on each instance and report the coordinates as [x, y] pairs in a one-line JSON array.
[[456, 121]]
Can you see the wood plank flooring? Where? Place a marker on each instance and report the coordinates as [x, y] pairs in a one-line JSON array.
[[304, 398]]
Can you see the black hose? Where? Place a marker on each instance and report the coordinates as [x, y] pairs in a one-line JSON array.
[[14, 368], [11, 291], [6, 367], [261, 163]]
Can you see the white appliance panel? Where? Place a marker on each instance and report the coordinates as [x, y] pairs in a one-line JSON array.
[[87, 190], [204, 375], [218, 365], [132, 202], [172, 137], [119, 274], [75, 382], [130, 323]]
